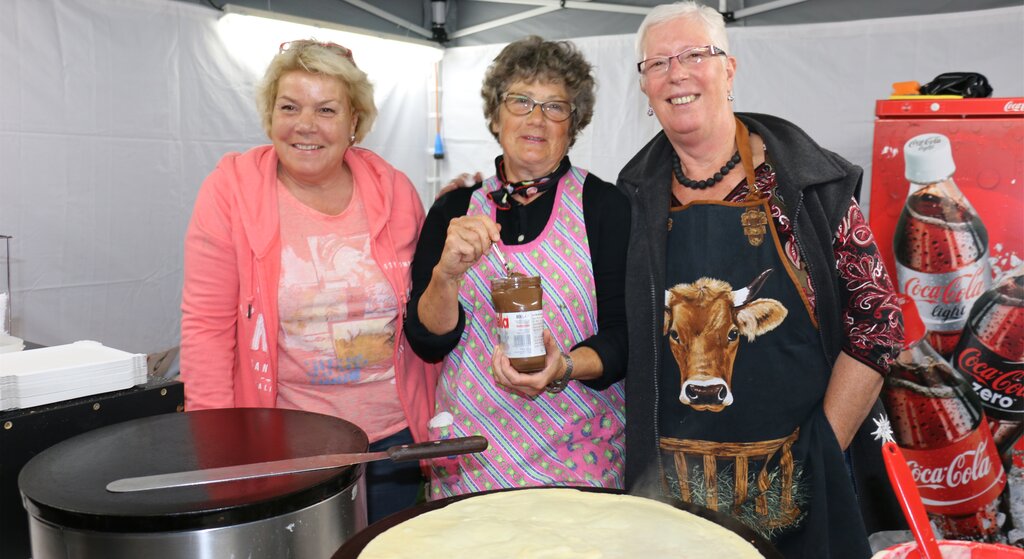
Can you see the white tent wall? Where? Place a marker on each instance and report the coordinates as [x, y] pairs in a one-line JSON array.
[[825, 77], [113, 111]]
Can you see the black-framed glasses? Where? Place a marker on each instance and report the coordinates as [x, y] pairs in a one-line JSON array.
[[519, 105], [344, 51], [695, 55]]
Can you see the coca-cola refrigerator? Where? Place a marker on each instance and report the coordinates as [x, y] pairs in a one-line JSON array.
[[947, 211]]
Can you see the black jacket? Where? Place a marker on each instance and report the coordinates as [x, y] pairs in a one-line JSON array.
[[816, 186]]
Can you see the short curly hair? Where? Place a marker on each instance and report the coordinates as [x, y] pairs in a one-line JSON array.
[[534, 59], [325, 59]]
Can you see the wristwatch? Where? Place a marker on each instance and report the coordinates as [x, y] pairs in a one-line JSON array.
[[559, 385]]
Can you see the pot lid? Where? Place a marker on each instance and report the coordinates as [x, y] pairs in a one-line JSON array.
[[66, 483]]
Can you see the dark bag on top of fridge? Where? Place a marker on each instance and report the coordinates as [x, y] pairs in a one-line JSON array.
[[966, 84]]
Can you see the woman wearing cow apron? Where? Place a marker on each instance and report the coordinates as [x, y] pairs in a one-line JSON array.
[[761, 319]]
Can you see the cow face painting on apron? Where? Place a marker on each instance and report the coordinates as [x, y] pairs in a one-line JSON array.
[[740, 401]]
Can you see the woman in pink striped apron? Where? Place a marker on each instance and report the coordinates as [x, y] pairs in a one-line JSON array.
[[562, 425]]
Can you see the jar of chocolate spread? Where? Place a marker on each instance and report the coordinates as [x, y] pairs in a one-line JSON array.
[[518, 302]]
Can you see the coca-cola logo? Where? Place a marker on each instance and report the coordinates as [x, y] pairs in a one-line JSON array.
[[960, 289], [1007, 383], [964, 469], [1013, 107], [925, 143]]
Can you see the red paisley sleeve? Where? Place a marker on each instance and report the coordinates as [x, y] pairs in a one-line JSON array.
[[871, 312]]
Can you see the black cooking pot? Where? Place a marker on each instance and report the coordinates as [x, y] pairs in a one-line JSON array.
[[304, 515], [354, 546]]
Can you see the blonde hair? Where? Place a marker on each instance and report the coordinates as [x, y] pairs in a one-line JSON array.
[[325, 59]]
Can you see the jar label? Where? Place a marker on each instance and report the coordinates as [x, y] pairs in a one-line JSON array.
[[945, 299], [522, 333], [960, 478]]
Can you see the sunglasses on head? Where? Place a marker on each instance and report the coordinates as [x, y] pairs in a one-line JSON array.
[[307, 42]]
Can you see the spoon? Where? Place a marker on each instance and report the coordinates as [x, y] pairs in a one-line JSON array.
[[501, 258], [910, 500]]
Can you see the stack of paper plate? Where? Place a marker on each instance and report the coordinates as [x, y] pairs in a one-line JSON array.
[[52, 374]]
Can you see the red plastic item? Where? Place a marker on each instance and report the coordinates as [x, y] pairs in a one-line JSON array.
[[962, 108], [954, 549], [910, 501]]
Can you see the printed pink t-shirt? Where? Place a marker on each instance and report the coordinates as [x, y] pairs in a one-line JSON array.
[[338, 315]]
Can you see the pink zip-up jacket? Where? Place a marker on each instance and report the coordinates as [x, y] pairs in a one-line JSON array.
[[229, 320]]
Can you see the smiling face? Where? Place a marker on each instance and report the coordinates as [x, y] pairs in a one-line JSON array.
[[689, 98], [310, 127], [532, 143]]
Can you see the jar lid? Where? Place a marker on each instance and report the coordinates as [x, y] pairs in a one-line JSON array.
[[929, 158]]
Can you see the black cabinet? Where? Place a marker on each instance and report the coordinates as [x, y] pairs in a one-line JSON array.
[[27, 432]]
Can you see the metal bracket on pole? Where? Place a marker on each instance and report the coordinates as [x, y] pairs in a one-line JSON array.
[[767, 6]]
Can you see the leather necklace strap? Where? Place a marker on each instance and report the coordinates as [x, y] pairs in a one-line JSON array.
[[746, 155]]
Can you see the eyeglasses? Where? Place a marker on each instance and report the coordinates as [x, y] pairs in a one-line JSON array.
[[660, 64], [519, 104], [308, 42]]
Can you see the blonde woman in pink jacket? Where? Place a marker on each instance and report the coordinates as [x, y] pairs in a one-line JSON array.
[[297, 270]]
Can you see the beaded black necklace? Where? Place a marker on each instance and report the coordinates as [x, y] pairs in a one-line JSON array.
[[677, 170]]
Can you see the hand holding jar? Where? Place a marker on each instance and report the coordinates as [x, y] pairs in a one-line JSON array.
[[533, 383]]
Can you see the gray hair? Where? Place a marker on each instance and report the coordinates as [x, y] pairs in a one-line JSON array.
[[707, 16], [321, 59], [534, 59]]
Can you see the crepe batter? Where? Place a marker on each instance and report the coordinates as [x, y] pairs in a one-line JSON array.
[[558, 523]]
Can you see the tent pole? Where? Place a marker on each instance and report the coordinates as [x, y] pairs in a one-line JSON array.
[[280, 16], [388, 16], [501, 21], [577, 5], [767, 6], [640, 10]]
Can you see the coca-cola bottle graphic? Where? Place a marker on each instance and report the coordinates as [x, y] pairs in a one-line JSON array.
[[991, 355], [938, 422], [940, 244]]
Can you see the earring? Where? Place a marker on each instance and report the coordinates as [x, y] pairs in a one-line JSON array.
[[352, 139], [650, 111], [730, 97]]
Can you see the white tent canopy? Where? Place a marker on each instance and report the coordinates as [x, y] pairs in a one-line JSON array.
[[113, 111]]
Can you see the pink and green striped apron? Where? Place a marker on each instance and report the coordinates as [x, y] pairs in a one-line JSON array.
[[571, 438]]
